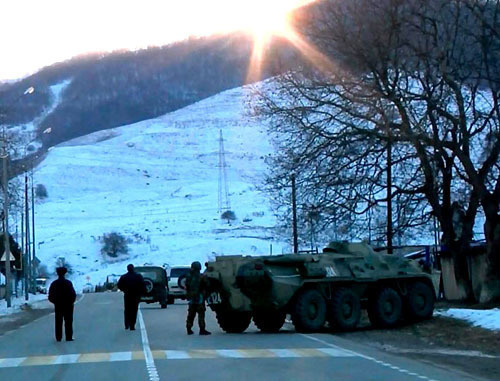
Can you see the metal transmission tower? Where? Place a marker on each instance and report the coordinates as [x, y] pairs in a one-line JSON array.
[[224, 203]]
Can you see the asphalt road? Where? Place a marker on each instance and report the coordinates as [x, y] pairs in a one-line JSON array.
[[160, 350]]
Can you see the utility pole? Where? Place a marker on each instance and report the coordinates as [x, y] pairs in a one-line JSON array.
[[27, 232], [6, 225], [389, 190], [25, 259], [33, 229], [294, 218]]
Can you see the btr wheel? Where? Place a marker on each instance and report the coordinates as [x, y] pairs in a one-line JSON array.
[[232, 321], [419, 303], [384, 308], [269, 321], [309, 314], [345, 309]]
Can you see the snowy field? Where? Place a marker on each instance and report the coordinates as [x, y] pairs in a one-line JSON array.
[[156, 182]]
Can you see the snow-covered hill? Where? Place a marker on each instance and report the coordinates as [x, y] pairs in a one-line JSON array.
[[156, 182]]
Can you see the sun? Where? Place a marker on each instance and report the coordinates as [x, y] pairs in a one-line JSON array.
[[268, 20], [265, 19], [274, 18]]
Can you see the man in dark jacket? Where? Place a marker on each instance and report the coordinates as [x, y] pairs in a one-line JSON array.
[[132, 285], [195, 287], [63, 296]]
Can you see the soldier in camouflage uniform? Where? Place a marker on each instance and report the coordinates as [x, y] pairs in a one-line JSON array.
[[195, 285]]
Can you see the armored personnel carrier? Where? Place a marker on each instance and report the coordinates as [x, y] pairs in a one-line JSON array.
[[332, 287]]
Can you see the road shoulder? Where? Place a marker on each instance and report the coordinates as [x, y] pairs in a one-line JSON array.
[[444, 342], [26, 315]]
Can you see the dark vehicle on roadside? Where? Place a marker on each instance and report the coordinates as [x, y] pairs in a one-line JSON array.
[[155, 279], [177, 283], [314, 289]]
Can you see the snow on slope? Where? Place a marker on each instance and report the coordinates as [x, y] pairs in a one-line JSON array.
[[156, 182]]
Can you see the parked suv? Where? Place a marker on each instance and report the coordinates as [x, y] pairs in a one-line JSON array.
[[177, 283], [155, 278]]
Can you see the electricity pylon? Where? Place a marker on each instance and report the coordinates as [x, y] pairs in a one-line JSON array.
[[223, 204]]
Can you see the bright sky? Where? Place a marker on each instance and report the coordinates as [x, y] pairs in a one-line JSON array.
[[37, 33]]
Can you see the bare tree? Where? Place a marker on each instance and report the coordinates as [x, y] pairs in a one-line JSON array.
[[416, 77]]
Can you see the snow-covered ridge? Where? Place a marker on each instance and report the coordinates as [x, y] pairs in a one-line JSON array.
[[156, 182]]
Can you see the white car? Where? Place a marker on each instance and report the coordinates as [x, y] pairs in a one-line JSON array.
[[177, 283], [41, 285]]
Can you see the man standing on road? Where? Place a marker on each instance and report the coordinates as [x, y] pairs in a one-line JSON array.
[[195, 285], [132, 285], [63, 296]]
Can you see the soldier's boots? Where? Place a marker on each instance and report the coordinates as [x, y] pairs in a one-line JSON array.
[[204, 332], [189, 331]]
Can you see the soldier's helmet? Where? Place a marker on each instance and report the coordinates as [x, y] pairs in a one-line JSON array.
[[196, 266]]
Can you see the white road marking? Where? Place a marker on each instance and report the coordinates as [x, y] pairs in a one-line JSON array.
[[120, 356], [231, 353], [66, 359], [12, 362], [334, 352], [170, 354], [284, 353], [79, 300], [404, 371], [148, 355], [176, 355]]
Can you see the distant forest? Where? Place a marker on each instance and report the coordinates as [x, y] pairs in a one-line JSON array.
[[120, 88]]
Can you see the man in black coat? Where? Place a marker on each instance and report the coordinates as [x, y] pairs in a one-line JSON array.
[[132, 285], [63, 296]]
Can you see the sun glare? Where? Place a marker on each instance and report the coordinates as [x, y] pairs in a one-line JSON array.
[[267, 21], [269, 18]]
